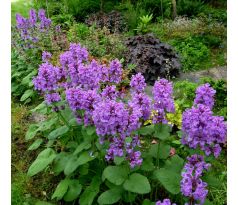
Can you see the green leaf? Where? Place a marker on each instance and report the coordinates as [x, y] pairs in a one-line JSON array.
[[71, 165], [81, 147], [116, 174], [147, 130], [73, 191], [128, 140], [207, 202], [164, 150], [118, 160], [31, 132], [162, 131], [212, 181], [61, 189], [42, 161], [175, 164], [110, 196], [90, 130], [58, 132], [43, 203], [60, 162], [27, 94], [75, 161], [147, 164], [147, 202], [90, 192], [137, 183], [169, 179], [153, 151], [41, 108], [35, 144]]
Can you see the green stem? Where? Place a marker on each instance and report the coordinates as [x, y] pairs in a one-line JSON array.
[[64, 120]]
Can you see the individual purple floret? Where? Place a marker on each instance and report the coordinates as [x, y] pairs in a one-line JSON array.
[[138, 83], [205, 95], [110, 118], [109, 93], [46, 56], [115, 71], [165, 202], [47, 78], [163, 99], [116, 148], [201, 129], [191, 184], [119, 148], [52, 97]]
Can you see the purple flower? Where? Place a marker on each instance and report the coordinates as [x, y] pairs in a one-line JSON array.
[[58, 29], [143, 103], [205, 95], [201, 129], [165, 202], [79, 99], [46, 56], [138, 83], [115, 71], [110, 118], [47, 78], [191, 184], [32, 17], [109, 92], [119, 148], [163, 99], [52, 97]]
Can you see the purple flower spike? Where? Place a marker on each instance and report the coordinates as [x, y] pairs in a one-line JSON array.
[[205, 95], [191, 184], [138, 83]]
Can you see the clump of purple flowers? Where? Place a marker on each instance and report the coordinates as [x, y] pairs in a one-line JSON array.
[[163, 100], [205, 95], [165, 202], [192, 185], [202, 129], [30, 28]]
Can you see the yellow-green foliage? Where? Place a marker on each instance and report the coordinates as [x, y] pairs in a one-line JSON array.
[[175, 118]]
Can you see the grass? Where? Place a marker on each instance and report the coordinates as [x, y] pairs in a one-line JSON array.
[[19, 6]]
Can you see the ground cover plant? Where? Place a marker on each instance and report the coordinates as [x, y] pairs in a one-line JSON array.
[[95, 122], [93, 126]]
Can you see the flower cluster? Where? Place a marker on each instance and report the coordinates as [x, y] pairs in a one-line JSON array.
[[118, 147], [110, 118], [165, 202], [138, 83], [163, 100], [205, 95], [48, 77], [192, 185], [142, 103], [202, 129]]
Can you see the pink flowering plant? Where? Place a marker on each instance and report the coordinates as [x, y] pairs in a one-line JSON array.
[[110, 147]]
